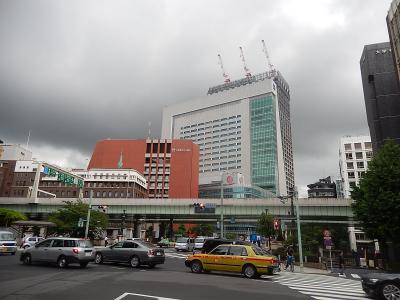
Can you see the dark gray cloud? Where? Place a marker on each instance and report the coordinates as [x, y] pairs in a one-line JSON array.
[[74, 72]]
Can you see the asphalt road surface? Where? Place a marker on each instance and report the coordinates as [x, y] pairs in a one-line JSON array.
[[169, 281]]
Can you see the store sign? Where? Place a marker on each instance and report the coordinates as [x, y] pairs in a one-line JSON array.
[[63, 177]]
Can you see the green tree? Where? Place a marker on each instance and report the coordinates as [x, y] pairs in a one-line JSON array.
[[181, 230], [203, 230], [265, 226], [66, 219], [7, 216], [377, 197]]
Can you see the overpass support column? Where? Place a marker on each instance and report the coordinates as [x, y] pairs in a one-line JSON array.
[[352, 238], [171, 228], [136, 228]]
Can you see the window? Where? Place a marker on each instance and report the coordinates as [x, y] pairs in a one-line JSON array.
[[351, 175], [349, 155], [220, 250], [350, 165], [368, 154], [359, 155], [129, 245], [368, 145], [118, 245], [58, 243], [347, 146], [237, 251], [69, 243], [45, 243], [357, 146], [360, 164]]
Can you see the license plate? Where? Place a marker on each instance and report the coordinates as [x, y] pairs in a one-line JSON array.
[[88, 253], [158, 253]]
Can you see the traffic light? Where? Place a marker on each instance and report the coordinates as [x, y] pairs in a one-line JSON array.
[[276, 224], [103, 208], [199, 205]]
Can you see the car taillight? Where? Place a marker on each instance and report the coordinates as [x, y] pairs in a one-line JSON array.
[[75, 250], [151, 252]]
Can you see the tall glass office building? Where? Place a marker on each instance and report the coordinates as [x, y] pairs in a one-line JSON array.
[[241, 126]]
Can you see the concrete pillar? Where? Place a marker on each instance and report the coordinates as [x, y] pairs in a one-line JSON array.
[[352, 238], [42, 232], [171, 228]]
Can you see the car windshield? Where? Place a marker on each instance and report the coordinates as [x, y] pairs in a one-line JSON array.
[[85, 244], [182, 240], [199, 240], [6, 236]]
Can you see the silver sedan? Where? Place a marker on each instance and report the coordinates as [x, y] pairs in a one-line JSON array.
[[134, 252]]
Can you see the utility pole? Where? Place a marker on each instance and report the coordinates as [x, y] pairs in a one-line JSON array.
[[88, 214], [299, 230], [222, 206]]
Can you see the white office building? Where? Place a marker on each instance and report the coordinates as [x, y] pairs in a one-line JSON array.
[[14, 152], [241, 126], [354, 154]]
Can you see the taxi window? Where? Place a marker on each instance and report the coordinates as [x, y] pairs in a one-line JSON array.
[[220, 250], [238, 251], [58, 243]]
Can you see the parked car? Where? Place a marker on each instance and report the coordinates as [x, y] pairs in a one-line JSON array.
[[8, 243], [245, 259], [30, 241], [165, 243], [184, 244], [382, 285], [62, 251], [135, 253]]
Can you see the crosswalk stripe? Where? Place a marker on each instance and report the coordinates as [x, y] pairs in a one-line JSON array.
[[322, 287], [355, 276]]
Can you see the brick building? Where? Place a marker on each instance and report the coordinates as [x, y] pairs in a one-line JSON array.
[[17, 177], [171, 167]]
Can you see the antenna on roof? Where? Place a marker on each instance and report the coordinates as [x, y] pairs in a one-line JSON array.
[[246, 69], [149, 134], [226, 77]]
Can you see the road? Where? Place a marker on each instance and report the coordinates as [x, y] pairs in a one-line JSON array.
[[169, 281]]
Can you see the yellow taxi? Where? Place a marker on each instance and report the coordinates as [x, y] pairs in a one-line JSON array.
[[249, 260]]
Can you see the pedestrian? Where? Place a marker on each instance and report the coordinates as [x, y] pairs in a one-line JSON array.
[[341, 263], [258, 241], [289, 259], [105, 241]]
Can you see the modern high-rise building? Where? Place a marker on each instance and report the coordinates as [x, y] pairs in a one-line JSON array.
[[240, 126], [381, 93], [393, 24], [354, 154], [171, 167]]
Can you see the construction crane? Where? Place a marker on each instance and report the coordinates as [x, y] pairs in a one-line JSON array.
[[226, 77], [270, 65], [246, 69]]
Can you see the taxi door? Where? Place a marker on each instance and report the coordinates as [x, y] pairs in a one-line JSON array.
[[216, 259], [236, 258]]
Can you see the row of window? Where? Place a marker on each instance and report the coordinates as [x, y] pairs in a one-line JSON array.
[[351, 175], [357, 146], [360, 165], [212, 127], [219, 169], [359, 155], [223, 131], [212, 122]]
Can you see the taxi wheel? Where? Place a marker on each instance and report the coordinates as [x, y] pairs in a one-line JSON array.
[[250, 271], [196, 266], [62, 262]]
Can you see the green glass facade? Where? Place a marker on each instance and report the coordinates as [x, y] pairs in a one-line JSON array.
[[264, 163]]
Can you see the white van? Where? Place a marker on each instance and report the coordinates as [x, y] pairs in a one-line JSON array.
[[184, 244], [8, 243]]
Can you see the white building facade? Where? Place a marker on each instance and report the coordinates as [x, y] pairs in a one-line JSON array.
[[14, 152], [354, 154], [237, 127]]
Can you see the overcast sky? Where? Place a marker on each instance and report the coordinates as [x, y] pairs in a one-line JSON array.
[[74, 72]]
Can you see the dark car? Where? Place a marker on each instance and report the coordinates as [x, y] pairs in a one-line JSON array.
[[136, 253], [382, 285], [210, 244]]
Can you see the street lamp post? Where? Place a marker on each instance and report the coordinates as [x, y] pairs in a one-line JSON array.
[[88, 215], [283, 200]]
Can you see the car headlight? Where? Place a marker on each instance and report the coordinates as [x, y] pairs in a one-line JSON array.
[[372, 280]]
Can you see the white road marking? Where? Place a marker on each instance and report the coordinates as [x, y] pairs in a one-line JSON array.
[[355, 276], [142, 295]]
